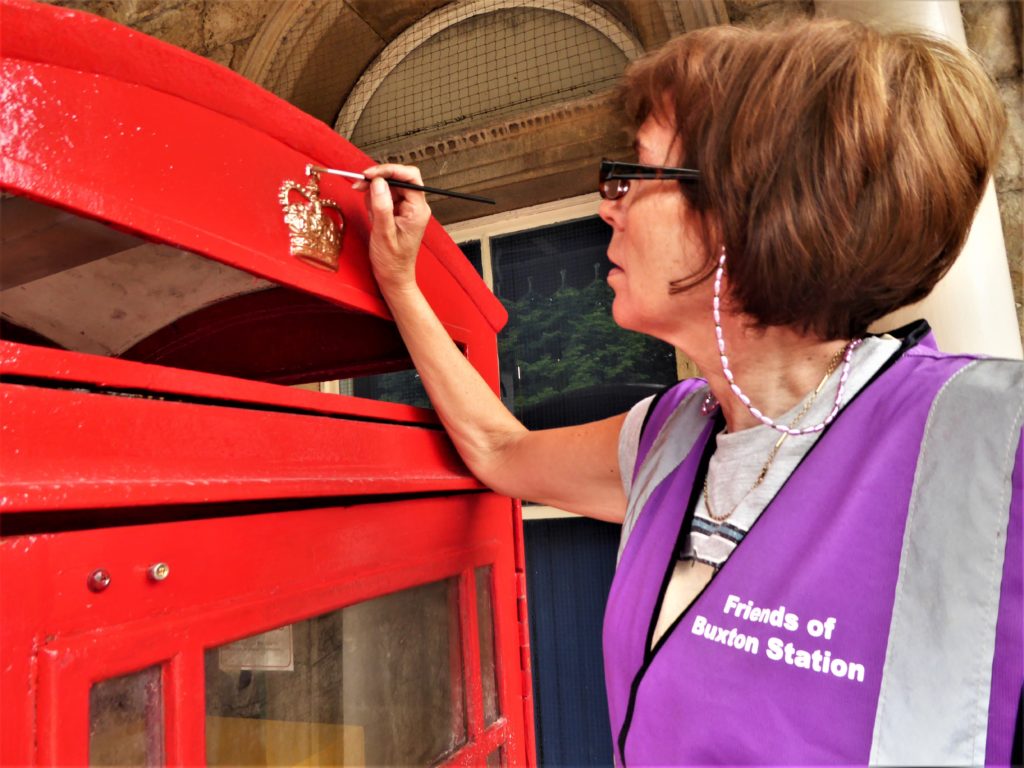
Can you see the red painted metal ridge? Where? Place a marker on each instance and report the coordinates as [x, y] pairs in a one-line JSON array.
[[145, 452], [24, 360]]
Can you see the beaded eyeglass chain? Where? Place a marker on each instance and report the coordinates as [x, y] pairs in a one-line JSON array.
[[754, 411]]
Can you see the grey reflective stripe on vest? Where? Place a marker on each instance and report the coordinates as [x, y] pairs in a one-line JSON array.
[[672, 445], [936, 681]]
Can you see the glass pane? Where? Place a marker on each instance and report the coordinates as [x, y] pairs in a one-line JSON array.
[[471, 249], [71, 282], [405, 386], [376, 683], [398, 387], [563, 358], [485, 624], [494, 759], [126, 720]]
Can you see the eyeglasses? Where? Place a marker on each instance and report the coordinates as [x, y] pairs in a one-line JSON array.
[[613, 181]]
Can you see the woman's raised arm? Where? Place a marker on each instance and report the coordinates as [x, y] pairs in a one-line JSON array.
[[573, 468]]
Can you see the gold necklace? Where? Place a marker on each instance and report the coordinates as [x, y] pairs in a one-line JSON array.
[[833, 364]]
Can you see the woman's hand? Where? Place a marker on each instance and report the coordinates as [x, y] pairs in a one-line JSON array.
[[398, 218]]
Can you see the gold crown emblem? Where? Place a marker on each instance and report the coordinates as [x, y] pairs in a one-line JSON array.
[[313, 236]]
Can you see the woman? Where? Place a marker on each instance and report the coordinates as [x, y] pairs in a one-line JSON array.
[[821, 538]]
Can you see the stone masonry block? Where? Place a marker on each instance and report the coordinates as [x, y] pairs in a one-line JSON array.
[[228, 21], [759, 13], [181, 26], [989, 27], [1009, 172], [1011, 211]]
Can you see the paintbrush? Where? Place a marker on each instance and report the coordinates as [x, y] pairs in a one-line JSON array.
[[401, 184]]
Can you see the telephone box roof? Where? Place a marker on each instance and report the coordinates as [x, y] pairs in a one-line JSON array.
[[158, 142]]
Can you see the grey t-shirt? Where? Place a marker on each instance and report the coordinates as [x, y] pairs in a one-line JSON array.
[[740, 456]]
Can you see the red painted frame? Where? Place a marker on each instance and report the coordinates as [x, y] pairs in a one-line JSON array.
[[216, 594], [342, 499]]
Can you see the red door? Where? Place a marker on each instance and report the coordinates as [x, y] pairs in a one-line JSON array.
[[365, 634]]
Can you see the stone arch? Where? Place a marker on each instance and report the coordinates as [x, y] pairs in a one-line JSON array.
[[392, 58], [313, 54], [295, 54]]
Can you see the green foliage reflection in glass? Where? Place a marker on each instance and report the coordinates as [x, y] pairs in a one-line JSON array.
[[568, 341], [561, 341]]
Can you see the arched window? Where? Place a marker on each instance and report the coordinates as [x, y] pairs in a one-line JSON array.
[[472, 63]]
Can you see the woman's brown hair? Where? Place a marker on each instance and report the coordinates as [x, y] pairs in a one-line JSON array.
[[841, 167]]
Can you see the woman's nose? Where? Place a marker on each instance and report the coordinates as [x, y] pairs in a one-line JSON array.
[[610, 211]]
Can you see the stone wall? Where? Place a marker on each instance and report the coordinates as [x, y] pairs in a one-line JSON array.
[[757, 13], [993, 30], [220, 30]]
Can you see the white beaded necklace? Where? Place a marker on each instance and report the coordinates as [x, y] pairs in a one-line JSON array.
[[709, 403], [809, 401]]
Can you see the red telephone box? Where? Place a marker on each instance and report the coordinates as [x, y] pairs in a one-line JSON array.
[[198, 562]]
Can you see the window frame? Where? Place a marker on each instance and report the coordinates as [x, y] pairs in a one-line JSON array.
[[510, 222], [519, 220]]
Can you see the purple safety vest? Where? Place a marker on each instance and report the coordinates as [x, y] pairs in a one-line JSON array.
[[873, 611]]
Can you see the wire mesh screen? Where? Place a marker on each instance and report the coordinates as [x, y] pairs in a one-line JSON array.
[[384, 72], [563, 359], [503, 61], [325, 44], [471, 249]]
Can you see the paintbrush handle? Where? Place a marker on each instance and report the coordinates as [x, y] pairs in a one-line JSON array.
[[403, 184], [436, 191]]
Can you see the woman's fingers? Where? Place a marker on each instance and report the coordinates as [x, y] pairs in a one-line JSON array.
[[409, 204], [398, 219], [409, 173], [382, 209]]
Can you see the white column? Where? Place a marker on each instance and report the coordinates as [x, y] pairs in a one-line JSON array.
[[972, 308]]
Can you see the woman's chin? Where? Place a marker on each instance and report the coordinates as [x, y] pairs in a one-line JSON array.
[[622, 315]]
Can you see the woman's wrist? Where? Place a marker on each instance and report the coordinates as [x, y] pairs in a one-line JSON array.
[[397, 286]]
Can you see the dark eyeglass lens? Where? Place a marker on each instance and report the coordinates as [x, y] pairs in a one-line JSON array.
[[613, 189]]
